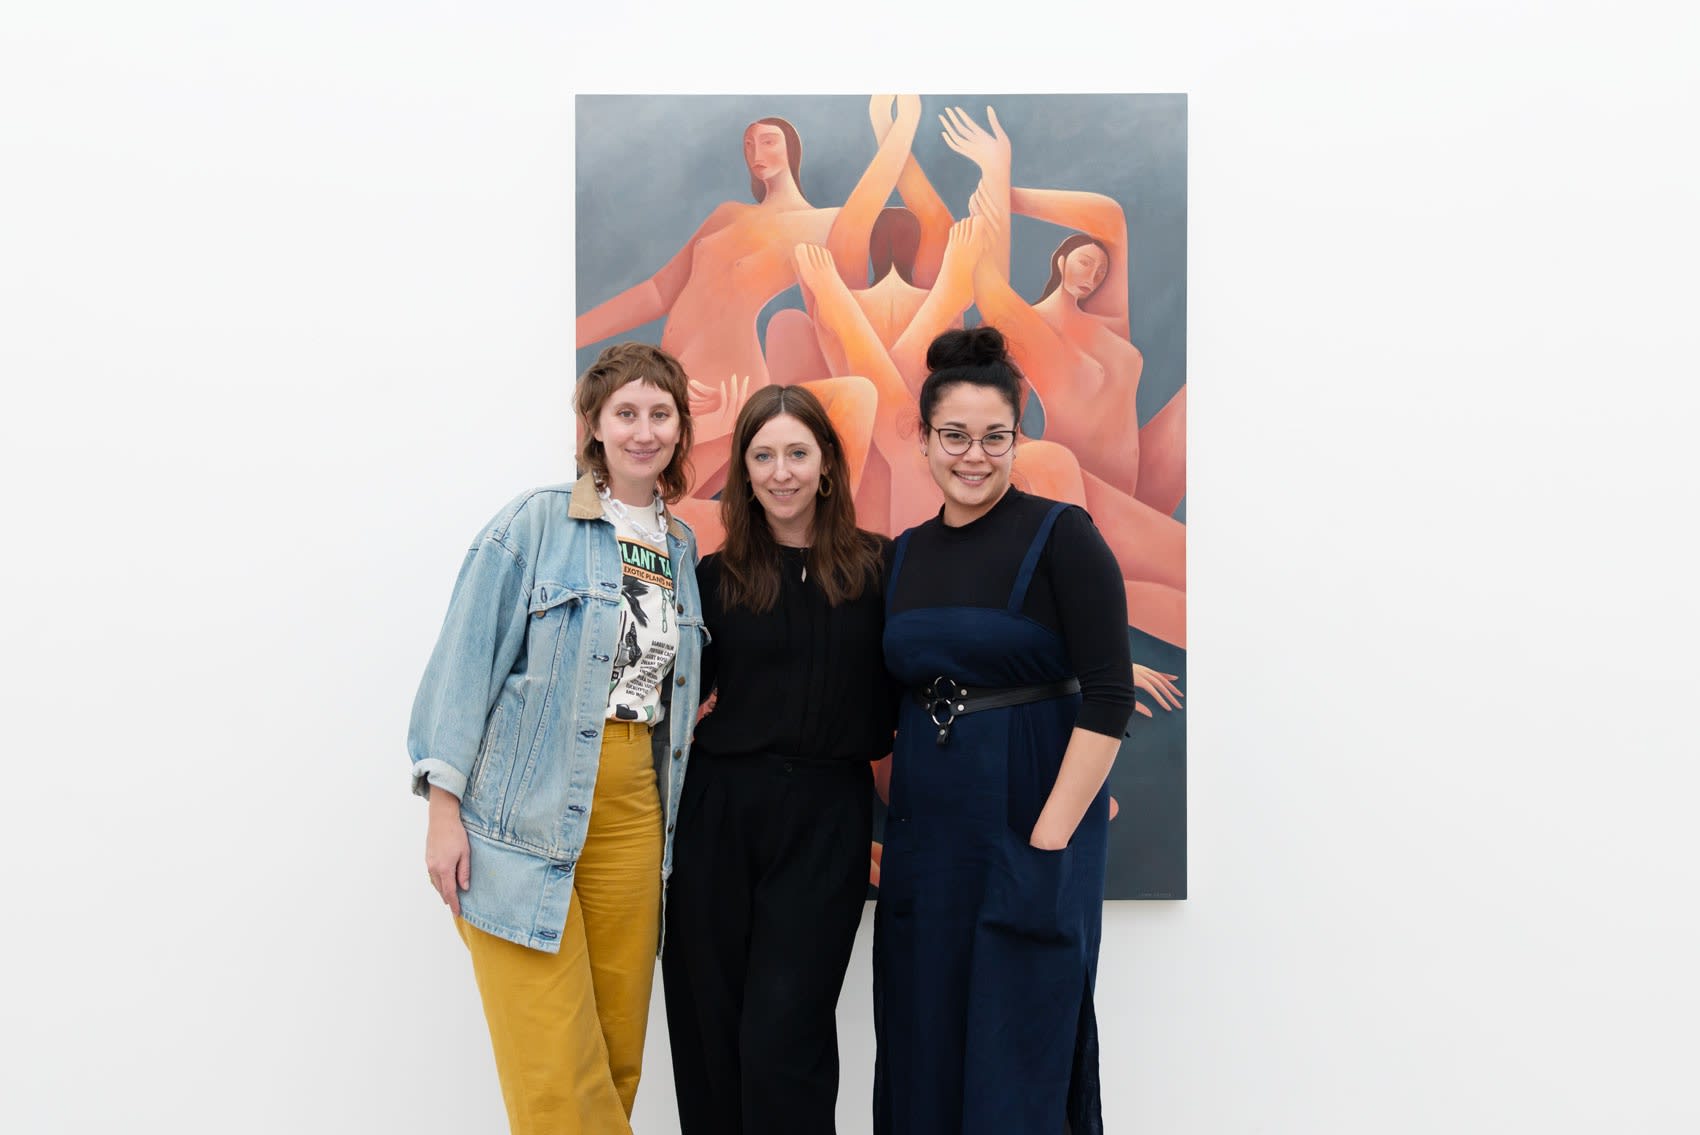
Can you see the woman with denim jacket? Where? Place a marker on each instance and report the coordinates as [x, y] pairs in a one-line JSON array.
[[571, 645], [774, 831]]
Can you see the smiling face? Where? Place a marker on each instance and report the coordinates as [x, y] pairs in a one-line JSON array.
[[783, 461], [638, 427], [764, 150], [972, 482], [1083, 270]]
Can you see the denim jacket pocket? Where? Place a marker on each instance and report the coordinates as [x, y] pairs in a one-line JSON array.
[[553, 597], [479, 780]]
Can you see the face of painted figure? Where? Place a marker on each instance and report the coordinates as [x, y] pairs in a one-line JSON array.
[[764, 150], [972, 482], [638, 427], [784, 466], [1083, 270]]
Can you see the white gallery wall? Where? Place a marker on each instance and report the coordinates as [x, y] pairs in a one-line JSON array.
[[286, 313]]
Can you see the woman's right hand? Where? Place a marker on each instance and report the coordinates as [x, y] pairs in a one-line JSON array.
[[448, 857]]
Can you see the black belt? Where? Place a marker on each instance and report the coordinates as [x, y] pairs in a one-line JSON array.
[[945, 699]]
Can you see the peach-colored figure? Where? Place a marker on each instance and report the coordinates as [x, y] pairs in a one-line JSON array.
[[714, 288], [1084, 307], [1074, 349], [917, 292], [895, 490], [1149, 545]]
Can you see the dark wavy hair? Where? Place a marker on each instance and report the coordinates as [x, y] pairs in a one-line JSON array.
[[613, 368], [793, 155], [842, 559], [977, 356], [1069, 244]]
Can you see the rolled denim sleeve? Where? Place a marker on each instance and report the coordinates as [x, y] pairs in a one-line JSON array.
[[482, 637]]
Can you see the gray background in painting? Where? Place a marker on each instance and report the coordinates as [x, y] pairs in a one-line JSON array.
[[652, 167]]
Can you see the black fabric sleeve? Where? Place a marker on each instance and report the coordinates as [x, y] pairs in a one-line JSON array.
[[1091, 601]]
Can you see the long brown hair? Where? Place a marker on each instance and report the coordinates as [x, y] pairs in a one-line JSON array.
[[613, 368], [841, 559], [793, 155], [1069, 244]]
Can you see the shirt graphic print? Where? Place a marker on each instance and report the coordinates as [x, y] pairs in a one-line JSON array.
[[649, 631]]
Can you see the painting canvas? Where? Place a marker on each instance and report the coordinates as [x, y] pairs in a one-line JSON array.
[[1060, 219]]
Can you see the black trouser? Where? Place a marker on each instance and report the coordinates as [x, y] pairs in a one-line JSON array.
[[770, 874]]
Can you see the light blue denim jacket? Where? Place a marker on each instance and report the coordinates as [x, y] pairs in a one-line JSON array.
[[510, 712]]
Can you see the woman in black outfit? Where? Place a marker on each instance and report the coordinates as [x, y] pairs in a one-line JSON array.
[[771, 852], [1007, 619]]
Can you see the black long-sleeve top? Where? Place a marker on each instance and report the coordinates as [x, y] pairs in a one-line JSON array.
[[1077, 591], [804, 679]]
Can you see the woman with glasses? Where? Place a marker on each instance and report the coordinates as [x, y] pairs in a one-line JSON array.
[[775, 825], [1006, 620]]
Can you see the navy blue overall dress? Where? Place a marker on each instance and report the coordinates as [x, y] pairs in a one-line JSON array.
[[985, 948]]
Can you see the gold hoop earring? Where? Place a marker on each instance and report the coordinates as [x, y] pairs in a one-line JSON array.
[[825, 489]]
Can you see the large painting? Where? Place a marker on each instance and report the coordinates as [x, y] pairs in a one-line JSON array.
[[827, 239]]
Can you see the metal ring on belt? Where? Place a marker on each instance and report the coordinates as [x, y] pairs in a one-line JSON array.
[[945, 699]]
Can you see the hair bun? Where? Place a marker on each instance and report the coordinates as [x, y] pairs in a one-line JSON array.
[[969, 347]]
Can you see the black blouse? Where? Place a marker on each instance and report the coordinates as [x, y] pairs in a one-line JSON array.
[[804, 679], [1077, 591]]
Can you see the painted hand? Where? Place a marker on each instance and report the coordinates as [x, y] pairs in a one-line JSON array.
[[715, 410], [968, 240], [988, 150], [1159, 687]]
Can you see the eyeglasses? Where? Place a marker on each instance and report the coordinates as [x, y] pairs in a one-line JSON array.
[[956, 442]]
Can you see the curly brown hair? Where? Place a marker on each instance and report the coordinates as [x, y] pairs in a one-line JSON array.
[[614, 368]]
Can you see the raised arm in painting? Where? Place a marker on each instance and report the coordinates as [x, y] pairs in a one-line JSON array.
[[1099, 217], [836, 309], [1040, 352], [949, 297], [848, 238], [988, 149], [921, 199], [652, 298]]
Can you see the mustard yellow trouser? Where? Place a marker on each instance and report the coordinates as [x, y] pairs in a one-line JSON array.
[[568, 1028]]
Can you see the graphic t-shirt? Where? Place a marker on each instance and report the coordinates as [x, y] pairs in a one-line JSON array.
[[649, 631]]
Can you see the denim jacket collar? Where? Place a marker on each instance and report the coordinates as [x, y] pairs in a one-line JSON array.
[[587, 505]]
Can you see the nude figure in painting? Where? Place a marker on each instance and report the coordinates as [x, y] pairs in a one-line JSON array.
[[895, 491], [1074, 348], [714, 288]]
